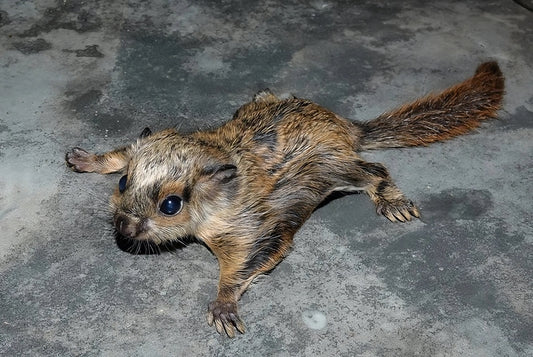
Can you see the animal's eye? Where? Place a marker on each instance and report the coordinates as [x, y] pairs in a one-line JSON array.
[[171, 205], [122, 183]]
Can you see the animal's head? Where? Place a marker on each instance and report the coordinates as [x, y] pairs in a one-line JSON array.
[[171, 186]]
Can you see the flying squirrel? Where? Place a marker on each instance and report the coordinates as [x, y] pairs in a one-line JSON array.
[[246, 187]]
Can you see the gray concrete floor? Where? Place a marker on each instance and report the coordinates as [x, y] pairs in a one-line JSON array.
[[93, 74]]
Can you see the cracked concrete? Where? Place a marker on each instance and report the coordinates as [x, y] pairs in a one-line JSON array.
[[94, 74]]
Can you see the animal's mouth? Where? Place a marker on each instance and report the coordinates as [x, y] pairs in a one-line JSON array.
[[137, 236], [137, 245]]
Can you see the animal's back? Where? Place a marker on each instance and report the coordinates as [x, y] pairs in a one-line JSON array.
[[280, 133], [289, 152]]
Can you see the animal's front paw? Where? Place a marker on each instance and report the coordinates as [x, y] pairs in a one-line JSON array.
[[398, 210], [224, 315], [80, 160]]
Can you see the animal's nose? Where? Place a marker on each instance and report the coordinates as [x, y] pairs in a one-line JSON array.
[[125, 226]]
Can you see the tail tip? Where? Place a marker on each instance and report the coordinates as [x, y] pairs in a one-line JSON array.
[[489, 72], [491, 67]]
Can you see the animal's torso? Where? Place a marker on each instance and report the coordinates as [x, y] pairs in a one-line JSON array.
[[285, 146]]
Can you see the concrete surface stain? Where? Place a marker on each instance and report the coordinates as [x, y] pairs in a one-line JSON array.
[[428, 260], [456, 204], [315, 320], [521, 119], [69, 15], [88, 51], [106, 119], [86, 100], [159, 68], [4, 18], [32, 46]]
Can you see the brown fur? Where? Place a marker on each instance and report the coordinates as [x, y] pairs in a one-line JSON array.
[[442, 116], [248, 186]]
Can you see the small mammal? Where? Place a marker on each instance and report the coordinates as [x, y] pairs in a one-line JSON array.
[[245, 188]]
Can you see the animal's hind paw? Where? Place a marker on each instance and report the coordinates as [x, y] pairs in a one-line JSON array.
[[398, 210]]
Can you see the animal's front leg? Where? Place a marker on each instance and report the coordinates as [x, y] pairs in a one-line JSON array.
[[80, 160], [222, 312], [238, 268]]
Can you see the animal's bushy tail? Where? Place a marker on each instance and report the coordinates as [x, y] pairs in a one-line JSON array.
[[438, 117]]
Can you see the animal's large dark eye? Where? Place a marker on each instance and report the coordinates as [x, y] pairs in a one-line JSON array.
[[122, 183], [171, 205]]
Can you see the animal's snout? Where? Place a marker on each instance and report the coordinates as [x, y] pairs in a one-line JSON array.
[[127, 227]]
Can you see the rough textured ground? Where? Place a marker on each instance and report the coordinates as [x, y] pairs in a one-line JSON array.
[[93, 74]]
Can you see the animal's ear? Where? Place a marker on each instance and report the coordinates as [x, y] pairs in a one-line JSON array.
[[146, 132], [223, 173]]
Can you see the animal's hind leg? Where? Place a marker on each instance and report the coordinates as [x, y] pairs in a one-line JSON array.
[[375, 180]]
